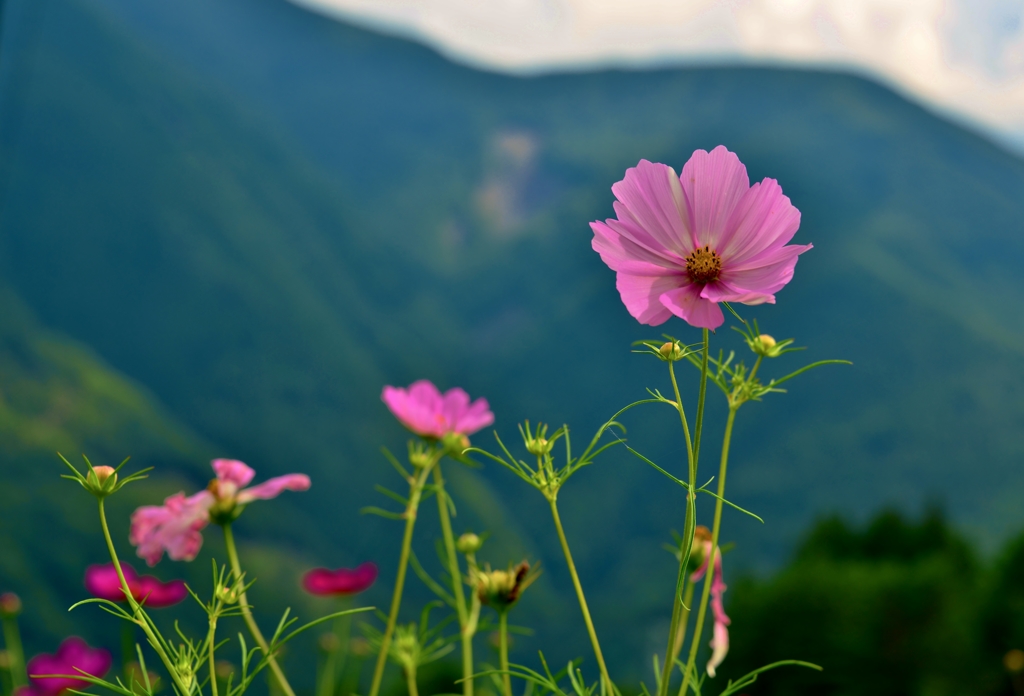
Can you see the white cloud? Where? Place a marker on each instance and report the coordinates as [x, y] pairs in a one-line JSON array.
[[965, 56]]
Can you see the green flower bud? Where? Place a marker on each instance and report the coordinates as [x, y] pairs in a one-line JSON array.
[[10, 605], [671, 351], [502, 588], [469, 543], [766, 346]]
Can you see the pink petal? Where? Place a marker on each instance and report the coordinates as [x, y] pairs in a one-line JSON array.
[[621, 253], [156, 594], [720, 291], [343, 581], [477, 416], [453, 404], [73, 653], [102, 581], [687, 304], [273, 488], [418, 408], [641, 295], [650, 196], [713, 182], [173, 527], [233, 471], [763, 219], [769, 278], [719, 648]]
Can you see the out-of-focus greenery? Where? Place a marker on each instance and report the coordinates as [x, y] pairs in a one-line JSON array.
[[255, 217], [896, 608]]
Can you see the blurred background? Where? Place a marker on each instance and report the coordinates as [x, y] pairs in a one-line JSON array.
[[225, 226]]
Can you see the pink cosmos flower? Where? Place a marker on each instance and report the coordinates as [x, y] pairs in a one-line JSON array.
[[682, 244], [175, 526], [102, 582], [425, 411], [324, 582], [720, 634], [74, 654]]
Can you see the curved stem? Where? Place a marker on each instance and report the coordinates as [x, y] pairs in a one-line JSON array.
[[456, 576], [415, 493], [243, 603], [139, 618], [506, 678], [609, 685], [684, 620], [12, 642], [706, 591]]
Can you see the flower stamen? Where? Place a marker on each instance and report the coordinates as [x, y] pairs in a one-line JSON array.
[[703, 265]]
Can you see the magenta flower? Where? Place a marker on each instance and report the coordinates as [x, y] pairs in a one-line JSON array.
[[102, 582], [720, 633], [324, 582], [73, 657], [682, 244], [425, 411], [175, 526]]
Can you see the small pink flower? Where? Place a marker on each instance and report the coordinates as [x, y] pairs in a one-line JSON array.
[[720, 634], [74, 654], [425, 411], [175, 526], [343, 581], [682, 244], [102, 582]]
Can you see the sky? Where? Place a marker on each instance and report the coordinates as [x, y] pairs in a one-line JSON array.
[[965, 57]]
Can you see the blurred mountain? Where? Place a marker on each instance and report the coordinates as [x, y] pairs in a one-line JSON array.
[[262, 216]]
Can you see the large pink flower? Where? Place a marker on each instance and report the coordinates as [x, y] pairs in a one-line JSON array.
[[682, 244], [74, 654], [102, 581], [324, 582], [175, 526], [720, 633], [425, 411]]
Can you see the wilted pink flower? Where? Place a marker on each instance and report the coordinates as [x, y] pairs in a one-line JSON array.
[[343, 581], [720, 634], [425, 411], [102, 582], [682, 244], [74, 654], [175, 526]]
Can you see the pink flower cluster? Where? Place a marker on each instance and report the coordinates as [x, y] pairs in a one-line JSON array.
[[720, 634], [424, 410], [74, 656], [175, 526], [102, 582], [681, 244]]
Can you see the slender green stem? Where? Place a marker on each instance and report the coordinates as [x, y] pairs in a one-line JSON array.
[[415, 493], [243, 603], [506, 678], [684, 620], [410, 680], [692, 452], [211, 643], [706, 591], [15, 654], [325, 685], [137, 613], [456, 576], [608, 684]]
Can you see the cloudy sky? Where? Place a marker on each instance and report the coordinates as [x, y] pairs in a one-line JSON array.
[[964, 56]]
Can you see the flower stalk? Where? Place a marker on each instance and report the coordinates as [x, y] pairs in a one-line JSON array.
[[506, 678], [12, 643], [243, 603], [416, 485]]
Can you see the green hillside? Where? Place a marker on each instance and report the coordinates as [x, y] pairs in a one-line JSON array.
[[263, 216]]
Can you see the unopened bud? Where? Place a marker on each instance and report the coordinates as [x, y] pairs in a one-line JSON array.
[[228, 595], [469, 543], [502, 588], [101, 479], [10, 605], [359, 647], [224, 669], [671, 351], [329, 643], [766, 346], [456, 443]]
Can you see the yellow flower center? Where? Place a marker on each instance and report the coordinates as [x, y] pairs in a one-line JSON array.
[[703, 265]]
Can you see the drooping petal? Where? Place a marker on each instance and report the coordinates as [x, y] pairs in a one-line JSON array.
[[324, 582], [233, 471], [687, 304], [155, 594], [273, 488], [651, 196], [641, 295], [721, 291], [73, 654], [763, 219], [719, 648], [713, 182], [173, 527]]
